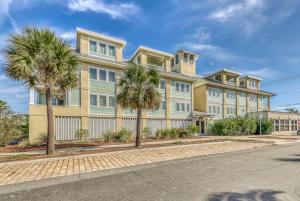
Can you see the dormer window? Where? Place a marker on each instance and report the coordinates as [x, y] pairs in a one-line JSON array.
[[252, 84], [217, 78], [139, 60], [93, 46], [102, 49]]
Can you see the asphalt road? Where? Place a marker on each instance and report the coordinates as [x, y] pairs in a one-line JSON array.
[[271, 173]]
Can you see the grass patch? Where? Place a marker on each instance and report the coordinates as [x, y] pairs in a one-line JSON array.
[[19, 156]]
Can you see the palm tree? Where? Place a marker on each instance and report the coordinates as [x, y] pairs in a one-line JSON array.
[[138, 91], [39, 57]]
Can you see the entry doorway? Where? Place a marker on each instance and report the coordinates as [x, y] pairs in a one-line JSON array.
[[202, 127]]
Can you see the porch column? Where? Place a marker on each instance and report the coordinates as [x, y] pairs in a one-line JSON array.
[[168, 103], [84, 95], [119, 109]]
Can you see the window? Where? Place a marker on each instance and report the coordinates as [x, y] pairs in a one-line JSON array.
[[185, 57], [209, 110], [176, 59], [182, 106], [213, 92], [163, 105], [111, 51], [188, 88], [252, 83], [54, 100], [182, 87], [253, 98], [102, 48], [231, 94], [112, 101], [93, 73], [286, 125], [172, 62], [162, 84], [177, 107], [188, 107], [93, 100], [111, 76], [294, 125], [177, 86], [102, 75], [93, 47], [230, 110], [102, 100]]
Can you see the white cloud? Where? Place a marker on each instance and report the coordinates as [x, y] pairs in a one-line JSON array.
[[249, 16], [68, 35], [209, 51], [234, 10], [116, 11], [261, 72]]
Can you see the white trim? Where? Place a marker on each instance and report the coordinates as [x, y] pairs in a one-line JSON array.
[[223, 70], [104, 69], [97, 54], [252, 77], [99, 35], [143, 48]]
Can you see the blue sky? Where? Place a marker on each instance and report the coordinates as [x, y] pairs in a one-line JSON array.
[[259, 37]]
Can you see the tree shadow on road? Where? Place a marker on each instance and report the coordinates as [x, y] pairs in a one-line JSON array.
[[254, 195], [294, 159]]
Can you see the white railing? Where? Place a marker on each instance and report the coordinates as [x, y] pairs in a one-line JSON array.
[[155, 66]]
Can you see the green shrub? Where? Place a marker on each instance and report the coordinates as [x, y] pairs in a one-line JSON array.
[[82, 134], [234, 126], [109, 136], [247, 126], [146, 132], [173, 133], [124, 135], [192, 129], [266, 126]]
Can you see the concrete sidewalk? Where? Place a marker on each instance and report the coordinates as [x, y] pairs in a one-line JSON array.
[[32, 170]]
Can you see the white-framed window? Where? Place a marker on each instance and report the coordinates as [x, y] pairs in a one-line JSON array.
[[231, 94], [102, 74], [214, 109], [93, 73], [252, 83], [182, 87], [214, 92], [188, 107], [102, 100], [162, 84], [264, 101], [183, 107], [231, 110], [93, 100], [163, 105], [252, 98], [102, 49], [93, 46], [177, 106]]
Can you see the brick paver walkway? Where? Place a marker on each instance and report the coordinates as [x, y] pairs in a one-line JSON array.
[[23, 171]]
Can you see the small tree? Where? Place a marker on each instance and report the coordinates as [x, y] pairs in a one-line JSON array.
[[293, 110], [39, 57], [138, 91]]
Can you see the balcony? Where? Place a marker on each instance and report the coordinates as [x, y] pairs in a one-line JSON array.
[[156, 66]]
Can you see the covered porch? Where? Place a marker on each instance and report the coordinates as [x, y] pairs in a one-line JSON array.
[[201, 119]]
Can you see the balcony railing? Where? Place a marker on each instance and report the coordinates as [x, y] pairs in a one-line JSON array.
[[156, 66]]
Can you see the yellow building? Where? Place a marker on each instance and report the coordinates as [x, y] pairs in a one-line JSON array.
[[226, 93], [93, 104]]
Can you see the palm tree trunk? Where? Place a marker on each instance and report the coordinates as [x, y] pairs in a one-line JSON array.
[[138, 128], [50, 138]]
